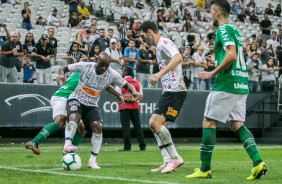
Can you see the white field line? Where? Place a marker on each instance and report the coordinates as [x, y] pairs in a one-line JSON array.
[[84, 176]]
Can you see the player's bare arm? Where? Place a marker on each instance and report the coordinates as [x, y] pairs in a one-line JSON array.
[[175, 61], [133, 91], [229, 58], [111, 90], [61, 76]]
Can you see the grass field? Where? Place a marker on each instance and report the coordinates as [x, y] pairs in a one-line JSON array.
[[230, 165]]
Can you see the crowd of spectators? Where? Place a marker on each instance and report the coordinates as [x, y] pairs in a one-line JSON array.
[[262, 51]]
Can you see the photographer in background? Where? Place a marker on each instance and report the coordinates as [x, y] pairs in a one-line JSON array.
[[254, 66], [11, 50], [4, 38]]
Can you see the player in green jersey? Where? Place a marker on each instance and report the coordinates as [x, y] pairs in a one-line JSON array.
[[227, 100]]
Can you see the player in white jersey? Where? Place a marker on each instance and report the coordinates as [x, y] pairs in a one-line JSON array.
[[83, 102], [173, 96]]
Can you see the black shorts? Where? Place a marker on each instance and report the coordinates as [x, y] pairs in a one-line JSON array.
[[88, 113], [170, 104]]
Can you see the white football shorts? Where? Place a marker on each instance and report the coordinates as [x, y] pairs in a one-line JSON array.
[[58, 105]]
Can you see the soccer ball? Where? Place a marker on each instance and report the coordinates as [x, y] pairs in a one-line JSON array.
[[71, 162]]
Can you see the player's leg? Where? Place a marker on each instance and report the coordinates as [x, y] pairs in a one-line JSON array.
[[59, 115], [74, 109], [167, 109], [134, 116], [125, 124], [93, 118], [79, 135], [237, 119]]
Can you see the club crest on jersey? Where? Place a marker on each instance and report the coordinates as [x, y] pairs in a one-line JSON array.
[[73, 108], [171, 112]]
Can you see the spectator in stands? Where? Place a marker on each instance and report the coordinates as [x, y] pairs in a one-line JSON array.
[[139, 5], [198, 13], [187, 27], [83, 10], [242, 16], [124, 42], [273, 41], [192, 43], [111, 34], [254, 18], [253, 49], [26, 14], [93, 33], [94, 53], [211, 35], [269, 10], [54, 19], [43, 52], [187, 15], [2, 37], [253, 7], [196, 26], [28, 71], [279, 37], [259, 40], [265, 27], [234, 8], [73, 21], [210, 65], [73, 4], [122, 27], [160, 19], [53, 42], [171, 26], [207, 15], [129, 11], [83, 47], [171, 14], [265, 52], [130, 112], [131, 55], [102, 41], [277, 11], [200, 3], [39, 20], [187, 66], [251, 2], [254, 66], [74, 55], [268, 76], [146, 59], [11, 50], [151, 15], [247, 11], [200, 64], [180, 12], [116, 56], [242, 4], [87, 39], [28, 46], [94, 21]]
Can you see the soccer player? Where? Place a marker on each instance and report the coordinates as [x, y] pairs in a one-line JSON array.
[[227, 100], [173, 95], [83, 102]]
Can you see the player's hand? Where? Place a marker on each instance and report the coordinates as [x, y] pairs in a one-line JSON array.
[[154, 78], [121, 101], [205, 75], [60, 78], [136, 97]]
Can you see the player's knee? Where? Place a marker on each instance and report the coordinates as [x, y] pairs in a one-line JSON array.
[[60, 120], [75, 117], [208, 123], [81, 129], [96, 127], [155, 123]]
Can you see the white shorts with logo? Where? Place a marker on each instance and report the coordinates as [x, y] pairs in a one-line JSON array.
[[223, 106], [58, 105]]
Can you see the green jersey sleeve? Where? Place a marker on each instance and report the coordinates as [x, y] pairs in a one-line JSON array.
[[70, 85]]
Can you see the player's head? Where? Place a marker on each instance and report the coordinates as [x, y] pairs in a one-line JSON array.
[[219, 9], [127, 71], [103, 63], [148, 30]]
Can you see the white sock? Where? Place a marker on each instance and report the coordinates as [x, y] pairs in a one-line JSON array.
[[164, 152], [166, 140], [69, 132], [96, 142]]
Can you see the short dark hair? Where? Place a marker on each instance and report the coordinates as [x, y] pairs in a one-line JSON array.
[[223, 5], [110, 29], [149, 25], [129, 71]]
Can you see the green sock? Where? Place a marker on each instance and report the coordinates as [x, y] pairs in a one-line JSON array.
[[249, 143], [77, 139], [208, 143], [47, 130]]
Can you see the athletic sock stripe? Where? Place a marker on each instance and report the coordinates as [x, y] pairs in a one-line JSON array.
[[165, 145], [95, 154], [68, 138]]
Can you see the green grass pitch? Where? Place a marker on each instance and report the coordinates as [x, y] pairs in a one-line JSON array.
[[230, 165]]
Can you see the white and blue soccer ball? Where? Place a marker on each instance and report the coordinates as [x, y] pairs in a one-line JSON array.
[[71, 162]]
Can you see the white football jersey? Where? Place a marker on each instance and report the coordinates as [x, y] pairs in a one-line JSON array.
[[91, 85], [173, 80]]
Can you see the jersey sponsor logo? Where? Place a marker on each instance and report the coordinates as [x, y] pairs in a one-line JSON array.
[[171, 112], [90, 92], [240, 86], [165, 42]]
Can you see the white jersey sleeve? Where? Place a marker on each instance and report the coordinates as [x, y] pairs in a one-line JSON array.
[[79, 67], [117, 79]]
